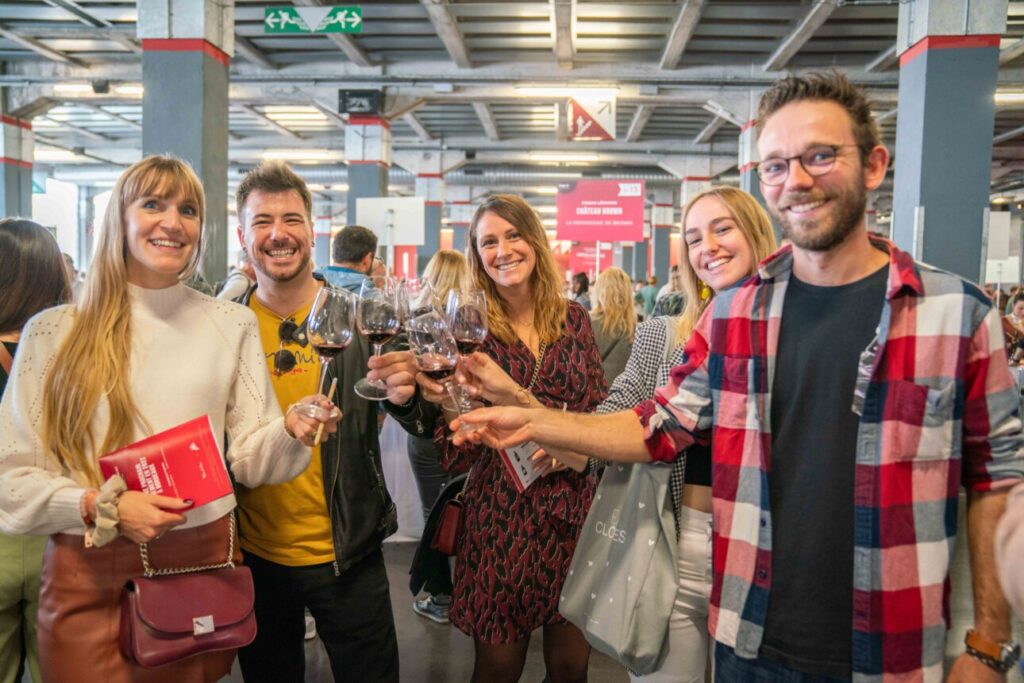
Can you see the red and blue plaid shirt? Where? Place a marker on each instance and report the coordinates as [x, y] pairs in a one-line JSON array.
[[938, 409]]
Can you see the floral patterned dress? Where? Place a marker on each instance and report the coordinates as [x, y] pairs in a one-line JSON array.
[[516, 547]]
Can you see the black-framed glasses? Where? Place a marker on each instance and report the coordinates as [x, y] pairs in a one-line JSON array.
[[288, 332], [816, 161]]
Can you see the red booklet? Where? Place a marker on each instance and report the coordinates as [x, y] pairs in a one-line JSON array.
[[182, 462]]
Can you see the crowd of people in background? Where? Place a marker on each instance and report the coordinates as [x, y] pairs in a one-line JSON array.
[[829, 438]]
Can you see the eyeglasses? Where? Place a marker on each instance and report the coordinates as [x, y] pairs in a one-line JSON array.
[[816, 161], [288, 332]]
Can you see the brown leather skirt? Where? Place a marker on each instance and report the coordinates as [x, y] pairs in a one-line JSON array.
[[79, 606]]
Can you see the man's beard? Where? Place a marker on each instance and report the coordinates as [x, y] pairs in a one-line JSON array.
[[301, 268], [844, 217]]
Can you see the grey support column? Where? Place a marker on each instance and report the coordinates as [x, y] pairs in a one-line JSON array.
[[641, 251], [662, 214], [368, 154], [16, 146], [460, 214], [430, 186], [949, 56], [627, 259], [186, 49]]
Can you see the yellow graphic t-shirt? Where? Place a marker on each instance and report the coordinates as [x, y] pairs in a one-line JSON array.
[[288, 523]]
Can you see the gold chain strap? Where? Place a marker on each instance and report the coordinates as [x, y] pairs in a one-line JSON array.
[[149, 571], [536, 365]]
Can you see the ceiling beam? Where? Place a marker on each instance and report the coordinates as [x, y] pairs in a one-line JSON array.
[[709, 131], [421, 130], [245, 48], [486, 117], [640, 119], [561, 121], [277, 126], [682, 29], [332, 115], [883, 60], [791, 44], [80, 13], [886, 115], [100, 110], [402, 105], [343, 41], [78, 129], [77, 150], [39, 48], [447, 28], [1008, 135], [721, 112], [563, 15], [1011, 51]]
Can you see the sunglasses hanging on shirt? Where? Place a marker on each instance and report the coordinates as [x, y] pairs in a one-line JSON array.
[[288, 332]]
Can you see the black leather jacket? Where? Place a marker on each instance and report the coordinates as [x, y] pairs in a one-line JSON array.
[[360, 508]]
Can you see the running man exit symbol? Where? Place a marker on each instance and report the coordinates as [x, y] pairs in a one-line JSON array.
[[591, 119]]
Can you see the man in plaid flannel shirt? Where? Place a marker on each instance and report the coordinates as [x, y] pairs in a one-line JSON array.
[[934, 407]]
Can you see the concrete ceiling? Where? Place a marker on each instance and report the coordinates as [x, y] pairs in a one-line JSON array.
[[687, 74]]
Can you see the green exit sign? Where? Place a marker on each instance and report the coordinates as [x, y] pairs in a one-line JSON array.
[[335, 19]]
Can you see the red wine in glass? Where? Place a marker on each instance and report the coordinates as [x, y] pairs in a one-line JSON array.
[[379, 320], [438, 370], [467, 346], [467, 315], [329, 351], [380, 338]]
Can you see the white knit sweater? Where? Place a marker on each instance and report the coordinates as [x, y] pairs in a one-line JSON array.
[[191, 355]]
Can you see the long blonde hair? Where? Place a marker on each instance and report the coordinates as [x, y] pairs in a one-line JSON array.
[[447, 270], [549, 304], [93, 361], [613, 303], [751, 219]]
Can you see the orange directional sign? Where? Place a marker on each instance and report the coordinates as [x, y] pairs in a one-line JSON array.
[[591, 119]]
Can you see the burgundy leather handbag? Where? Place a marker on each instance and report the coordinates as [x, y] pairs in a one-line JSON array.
[[170, 614], [449, 527]]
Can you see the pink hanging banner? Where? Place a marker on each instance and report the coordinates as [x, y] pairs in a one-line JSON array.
[[601, 210], [583, 258]]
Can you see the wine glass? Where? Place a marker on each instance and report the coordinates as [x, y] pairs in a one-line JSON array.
[[379, 320], [331, 324], [437, 354], [467, 315], [416, 297]]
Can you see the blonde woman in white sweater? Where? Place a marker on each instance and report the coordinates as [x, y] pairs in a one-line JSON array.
[[139, 353]]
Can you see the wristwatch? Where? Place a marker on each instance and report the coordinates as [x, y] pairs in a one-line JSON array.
[[998, 656]]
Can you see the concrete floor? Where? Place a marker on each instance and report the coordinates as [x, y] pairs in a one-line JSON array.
[[431, 653]]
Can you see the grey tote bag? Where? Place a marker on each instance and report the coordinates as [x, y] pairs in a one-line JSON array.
[[623, 581]]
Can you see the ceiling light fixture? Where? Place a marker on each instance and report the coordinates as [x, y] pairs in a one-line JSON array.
[[565, 157], [72, 89], [130, 90], [302, 155], [1009, 97], [565, 92]]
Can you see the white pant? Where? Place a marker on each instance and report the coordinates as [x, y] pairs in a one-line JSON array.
[[687, 656]]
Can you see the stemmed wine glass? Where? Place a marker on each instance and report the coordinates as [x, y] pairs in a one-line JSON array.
[[416, 297], [432, 343], [331, 324], [379, 320], [467, 315]]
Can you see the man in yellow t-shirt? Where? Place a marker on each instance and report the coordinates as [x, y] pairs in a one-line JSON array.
[[315, 542]]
